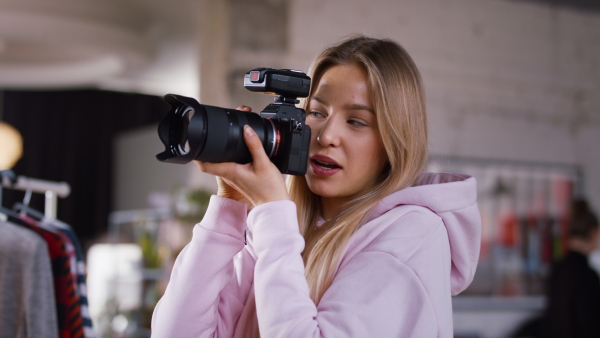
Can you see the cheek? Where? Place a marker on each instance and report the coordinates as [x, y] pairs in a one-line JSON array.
[[378, 158]]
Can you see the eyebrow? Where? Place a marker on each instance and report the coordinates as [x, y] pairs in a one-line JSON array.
[[352, 106]]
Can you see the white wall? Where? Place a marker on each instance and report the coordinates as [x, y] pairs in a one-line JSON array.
[[504, 79]]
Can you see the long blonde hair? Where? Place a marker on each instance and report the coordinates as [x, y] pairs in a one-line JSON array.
[[399, 102]]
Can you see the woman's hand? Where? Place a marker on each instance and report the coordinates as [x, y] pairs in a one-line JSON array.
[[254, 183]]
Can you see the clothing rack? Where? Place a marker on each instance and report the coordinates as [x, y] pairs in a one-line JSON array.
[[51, 190], [516, 167]]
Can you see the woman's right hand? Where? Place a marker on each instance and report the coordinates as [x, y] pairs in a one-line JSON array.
[[224, 189]]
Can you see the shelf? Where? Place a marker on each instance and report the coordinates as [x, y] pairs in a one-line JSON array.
[[482, 303]]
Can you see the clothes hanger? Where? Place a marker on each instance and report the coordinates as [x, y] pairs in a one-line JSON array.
[[9, 174], [29, 211], [8, 215], [23, 207], [22, 210], [26, 200], [12, 179]]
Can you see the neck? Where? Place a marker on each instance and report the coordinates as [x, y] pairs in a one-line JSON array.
[[330, 208]]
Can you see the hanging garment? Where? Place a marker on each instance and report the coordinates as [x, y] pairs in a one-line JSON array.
[[27, 298], [79, 272], [74, 253], [68, 306]]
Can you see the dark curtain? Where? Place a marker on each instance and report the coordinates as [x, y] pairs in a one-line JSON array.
[[68, 136]]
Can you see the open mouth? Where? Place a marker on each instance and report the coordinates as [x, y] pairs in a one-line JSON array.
[[326, 165]]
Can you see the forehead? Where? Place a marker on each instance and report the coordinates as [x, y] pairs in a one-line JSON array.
[[347, 81]]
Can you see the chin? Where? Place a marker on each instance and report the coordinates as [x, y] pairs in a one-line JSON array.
[[318, 188]]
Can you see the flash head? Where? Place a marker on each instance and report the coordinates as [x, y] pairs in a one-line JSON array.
[[286, 83]]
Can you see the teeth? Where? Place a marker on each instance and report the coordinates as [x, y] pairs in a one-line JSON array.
[[325, 165]]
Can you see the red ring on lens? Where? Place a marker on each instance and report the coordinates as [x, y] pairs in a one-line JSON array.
[[277, 137]]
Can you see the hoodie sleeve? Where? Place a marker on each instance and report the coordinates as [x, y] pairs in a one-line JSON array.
[[374, 294], [205, 296]]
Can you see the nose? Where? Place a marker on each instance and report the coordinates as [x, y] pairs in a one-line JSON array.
[[329, 134]]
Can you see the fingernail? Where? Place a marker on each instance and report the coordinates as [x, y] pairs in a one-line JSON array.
[[248, 130]]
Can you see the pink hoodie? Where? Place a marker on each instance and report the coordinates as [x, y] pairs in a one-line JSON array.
[[419, 246]]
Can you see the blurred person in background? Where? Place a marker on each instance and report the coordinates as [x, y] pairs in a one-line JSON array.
[[573, 287]]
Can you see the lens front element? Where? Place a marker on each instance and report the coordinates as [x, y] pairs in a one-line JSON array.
[[186, 117]]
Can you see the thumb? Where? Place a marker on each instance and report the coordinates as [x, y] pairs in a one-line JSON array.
[[255, 145]]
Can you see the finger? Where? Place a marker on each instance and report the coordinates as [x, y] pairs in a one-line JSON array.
[[206, 167], [225, 170], [254, 145], [200, 165], [244, 108]]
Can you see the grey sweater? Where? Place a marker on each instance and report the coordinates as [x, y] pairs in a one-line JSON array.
[[27, 302]]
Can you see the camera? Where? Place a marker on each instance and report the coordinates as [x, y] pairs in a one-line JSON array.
[[194, 131]]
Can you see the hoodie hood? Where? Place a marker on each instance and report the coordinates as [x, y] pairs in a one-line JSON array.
[[453, 197]]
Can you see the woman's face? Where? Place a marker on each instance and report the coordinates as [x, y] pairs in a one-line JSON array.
[[346, 152]]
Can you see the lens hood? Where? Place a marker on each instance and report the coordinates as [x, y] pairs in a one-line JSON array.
[[182, 135]]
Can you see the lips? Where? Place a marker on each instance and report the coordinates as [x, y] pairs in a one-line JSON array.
[[324, 166]]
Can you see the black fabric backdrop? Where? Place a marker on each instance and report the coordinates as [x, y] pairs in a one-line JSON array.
[[68, 136]]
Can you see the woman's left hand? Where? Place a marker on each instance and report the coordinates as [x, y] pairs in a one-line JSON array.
[[259, 181]]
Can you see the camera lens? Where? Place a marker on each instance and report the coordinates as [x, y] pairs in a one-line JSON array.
[[193, 131]]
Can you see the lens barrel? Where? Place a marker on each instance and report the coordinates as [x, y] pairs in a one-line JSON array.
[[225, 139], [193, 131]]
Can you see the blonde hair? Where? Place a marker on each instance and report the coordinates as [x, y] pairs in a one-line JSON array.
[[398, 100]]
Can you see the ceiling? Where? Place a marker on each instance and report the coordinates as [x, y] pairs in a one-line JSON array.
[[133, 45], [591, 6], [66, 43]]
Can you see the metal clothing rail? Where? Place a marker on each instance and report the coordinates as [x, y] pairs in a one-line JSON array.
[[51, 190], [542, 169]]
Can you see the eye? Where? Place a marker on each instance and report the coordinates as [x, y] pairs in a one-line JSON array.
[[315, 114], [357, 123]]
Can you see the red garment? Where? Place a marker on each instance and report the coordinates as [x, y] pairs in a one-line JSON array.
[[68, 306]]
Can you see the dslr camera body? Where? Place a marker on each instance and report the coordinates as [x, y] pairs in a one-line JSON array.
[[194, 131]]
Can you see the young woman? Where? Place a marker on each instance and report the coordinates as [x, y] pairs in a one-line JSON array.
[[364, 245]]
